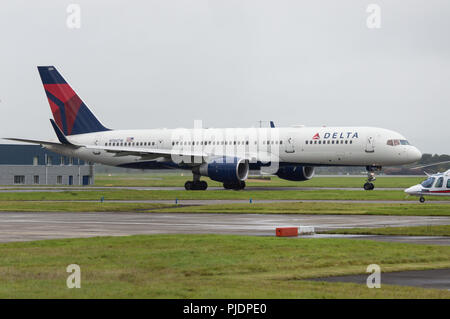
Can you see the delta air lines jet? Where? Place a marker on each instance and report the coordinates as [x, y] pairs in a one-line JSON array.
[[224, 155]]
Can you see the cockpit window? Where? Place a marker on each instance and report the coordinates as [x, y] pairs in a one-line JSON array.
[[428, 183], [439, 182], [397, 142]]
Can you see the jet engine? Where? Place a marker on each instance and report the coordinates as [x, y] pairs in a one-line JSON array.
[[228, 170]]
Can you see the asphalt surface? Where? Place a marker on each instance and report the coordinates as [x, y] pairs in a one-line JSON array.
[[436, 278], [15, 226]]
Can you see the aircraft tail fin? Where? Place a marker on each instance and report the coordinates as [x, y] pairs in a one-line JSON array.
[[70, 113]]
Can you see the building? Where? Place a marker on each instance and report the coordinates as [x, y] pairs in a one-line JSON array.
[[34, 165]]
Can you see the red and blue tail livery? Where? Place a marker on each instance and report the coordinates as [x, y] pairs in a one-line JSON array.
[[70, 113]]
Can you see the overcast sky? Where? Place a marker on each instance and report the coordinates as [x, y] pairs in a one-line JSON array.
[[230, 63]]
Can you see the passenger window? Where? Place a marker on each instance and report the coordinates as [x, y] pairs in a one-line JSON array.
[[448, 182], [439, 182]]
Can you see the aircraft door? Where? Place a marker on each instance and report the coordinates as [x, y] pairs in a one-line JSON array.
[[289, 147], [370, 146]]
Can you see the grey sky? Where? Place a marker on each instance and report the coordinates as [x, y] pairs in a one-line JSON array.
[[230, 63]]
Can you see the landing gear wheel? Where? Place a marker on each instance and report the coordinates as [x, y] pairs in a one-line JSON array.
[[236, 186], [371, 170], [195, 186], [227, 186], [422, 199], [368, 186], [241, 185]]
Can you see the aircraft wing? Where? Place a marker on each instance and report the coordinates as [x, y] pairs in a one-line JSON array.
[[147, 153], [144, 152]]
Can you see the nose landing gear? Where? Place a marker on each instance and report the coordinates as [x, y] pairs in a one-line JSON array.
[[368, 186]]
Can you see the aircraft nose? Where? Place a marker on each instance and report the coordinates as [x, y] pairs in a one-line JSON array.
[[413, 189], [414, 154]]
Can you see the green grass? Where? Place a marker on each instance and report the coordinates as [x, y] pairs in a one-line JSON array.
[[316, 208], [266, 208], [209, 266], [173, 180], [23, 206], [441, 230], [127, 194]]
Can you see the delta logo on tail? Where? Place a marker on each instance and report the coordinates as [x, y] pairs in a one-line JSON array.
[[70, 113], [336, 135]]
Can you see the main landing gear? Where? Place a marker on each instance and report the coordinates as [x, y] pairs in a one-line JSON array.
[[368, 186], [236, 186], [196, 184]]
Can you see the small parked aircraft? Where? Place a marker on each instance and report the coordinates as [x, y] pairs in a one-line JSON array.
[[435, 185]]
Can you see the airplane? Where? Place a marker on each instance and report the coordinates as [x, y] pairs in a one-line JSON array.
[[224, 155], [435, 185]]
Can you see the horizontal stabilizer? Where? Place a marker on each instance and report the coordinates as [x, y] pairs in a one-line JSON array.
[[61, 137], [37, 142]]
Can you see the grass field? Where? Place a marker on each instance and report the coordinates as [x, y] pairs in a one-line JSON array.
[[441, 230], [176, 180], [266, 208], [209, 266], [24, 206], [130, 194]]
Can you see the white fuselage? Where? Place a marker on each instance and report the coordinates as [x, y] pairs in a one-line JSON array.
[[329, 146]]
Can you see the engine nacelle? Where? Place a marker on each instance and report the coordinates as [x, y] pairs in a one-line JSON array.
[[224, 169], [296, 172]]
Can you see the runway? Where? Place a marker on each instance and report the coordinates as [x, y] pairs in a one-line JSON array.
[[435, 278], [16, 226]]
